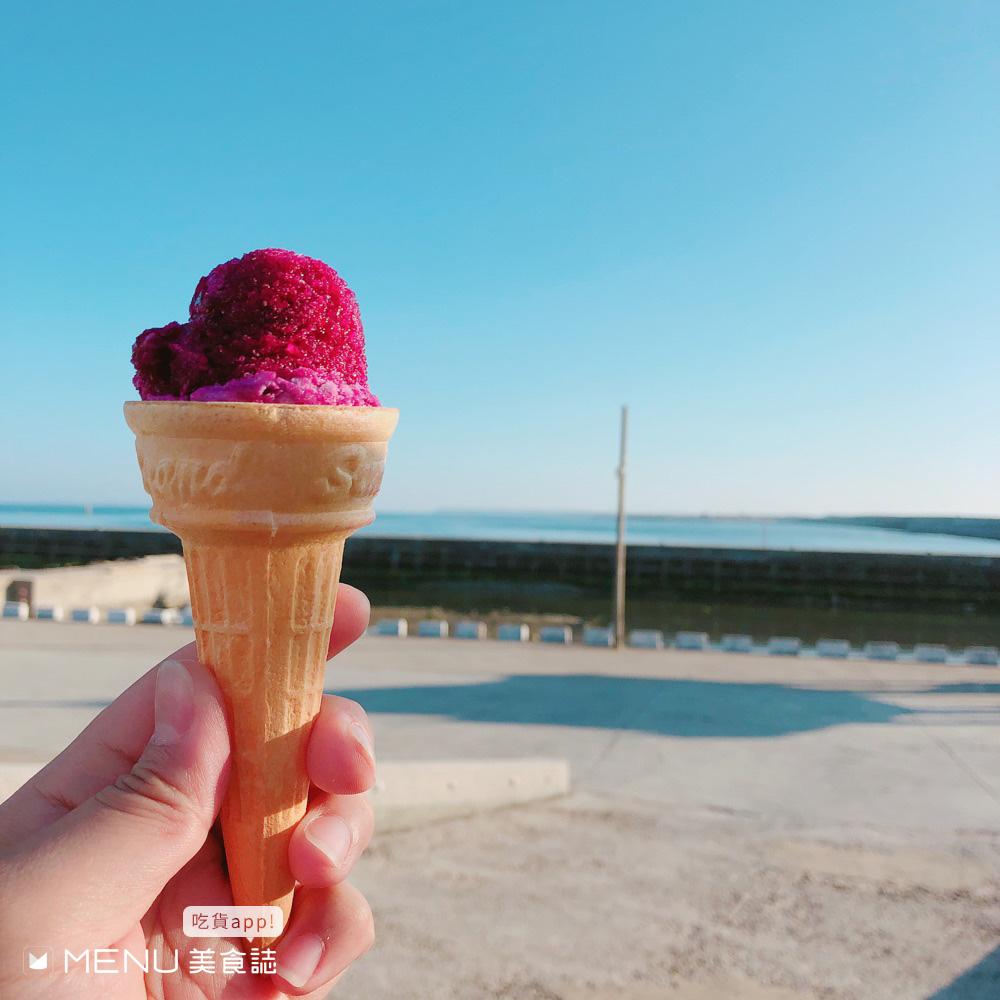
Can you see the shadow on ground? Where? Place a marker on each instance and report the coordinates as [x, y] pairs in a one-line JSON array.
[[662, 706], [965, 687], [981, 982]]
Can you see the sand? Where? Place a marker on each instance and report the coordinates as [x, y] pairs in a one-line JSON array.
[[605, 898]]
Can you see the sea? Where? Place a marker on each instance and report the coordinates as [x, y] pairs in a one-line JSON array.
[[785, 533]]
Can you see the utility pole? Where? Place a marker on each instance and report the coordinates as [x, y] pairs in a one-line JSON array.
[[620, 545]]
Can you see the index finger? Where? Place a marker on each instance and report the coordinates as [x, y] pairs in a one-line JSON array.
[[350, 618], [113, 741]]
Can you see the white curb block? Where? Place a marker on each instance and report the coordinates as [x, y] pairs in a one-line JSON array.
[[987, 656], [432, 628], [835, 649], [560, 634], [89, 616], [391, 626], [737, 643], [882, 650], [17, 610], [595, 636], [925, 652], [513, 633], [645, 638], [121, 616], [784, 645], [161, 616], [49, 613], [691, 640], [470, 630]]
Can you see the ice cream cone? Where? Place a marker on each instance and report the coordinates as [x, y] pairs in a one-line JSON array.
[[263, 497]]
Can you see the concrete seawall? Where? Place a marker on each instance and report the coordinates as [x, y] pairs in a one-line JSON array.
[[820, 579]]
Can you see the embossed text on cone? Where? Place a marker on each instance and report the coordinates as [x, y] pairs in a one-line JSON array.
[[263, 497]]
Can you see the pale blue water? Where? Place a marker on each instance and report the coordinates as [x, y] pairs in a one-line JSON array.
[[717, 532]]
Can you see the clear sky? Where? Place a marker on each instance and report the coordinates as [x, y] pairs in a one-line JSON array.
[[771, 228]]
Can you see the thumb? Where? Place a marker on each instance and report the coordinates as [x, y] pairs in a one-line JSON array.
[[111, 856]]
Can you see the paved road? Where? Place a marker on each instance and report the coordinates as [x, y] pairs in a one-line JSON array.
[[804, 740], [746, 827]]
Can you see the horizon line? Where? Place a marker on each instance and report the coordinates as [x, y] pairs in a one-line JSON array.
[[547, 512]]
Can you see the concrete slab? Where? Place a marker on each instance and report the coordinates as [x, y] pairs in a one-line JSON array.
[[409, 793], [118, 583], [413, 792]]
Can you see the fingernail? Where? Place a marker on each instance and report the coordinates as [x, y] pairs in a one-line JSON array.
[[332, 836], [299, 959], [363, 740], [173, 703]]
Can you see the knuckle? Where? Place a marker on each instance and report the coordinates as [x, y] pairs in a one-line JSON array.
[[366, 817], [354, 915], [353, 709], [364, 920], [357, 909], [147, 794]]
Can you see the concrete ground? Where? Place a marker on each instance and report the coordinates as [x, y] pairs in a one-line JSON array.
[[739, 827]]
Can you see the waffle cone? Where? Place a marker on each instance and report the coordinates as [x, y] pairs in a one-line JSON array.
[[263, 497]]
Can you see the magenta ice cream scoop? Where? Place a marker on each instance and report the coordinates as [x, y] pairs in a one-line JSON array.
[[272, 326]]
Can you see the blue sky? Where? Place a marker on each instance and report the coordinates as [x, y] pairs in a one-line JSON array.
[[771, 228]]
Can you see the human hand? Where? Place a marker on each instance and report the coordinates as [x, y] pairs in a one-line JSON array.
[[105, 846]]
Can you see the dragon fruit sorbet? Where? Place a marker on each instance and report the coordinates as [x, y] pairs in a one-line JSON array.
[[272, 326]]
